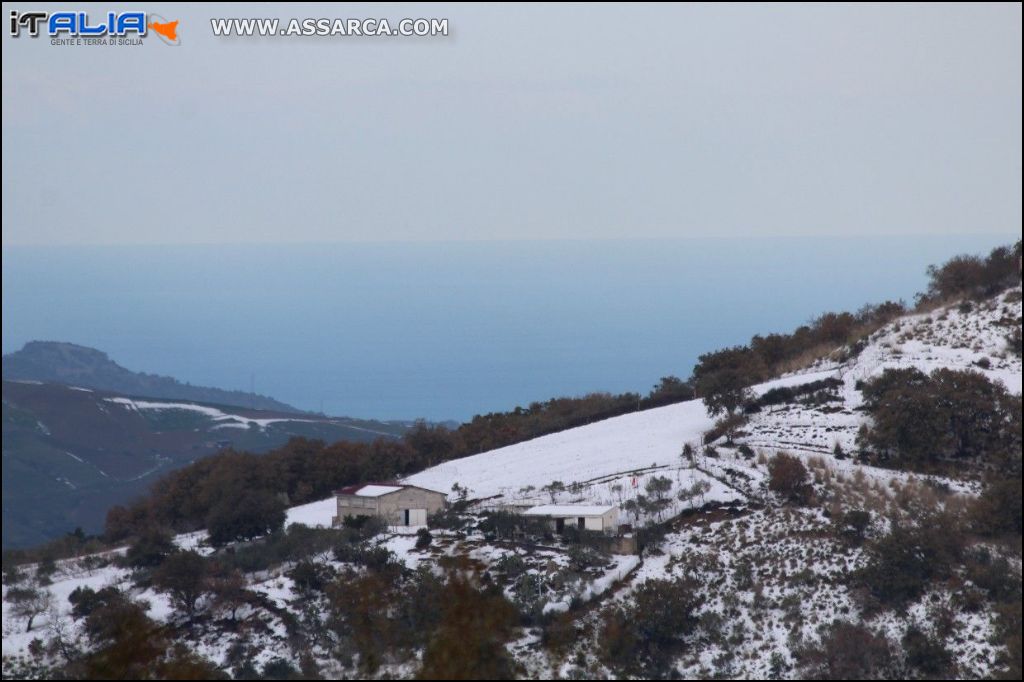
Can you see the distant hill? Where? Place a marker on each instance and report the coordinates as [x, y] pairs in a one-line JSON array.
[[68, 363], [70, 453]]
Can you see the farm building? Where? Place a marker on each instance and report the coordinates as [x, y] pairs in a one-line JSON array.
[[585, 517], [397, 504]]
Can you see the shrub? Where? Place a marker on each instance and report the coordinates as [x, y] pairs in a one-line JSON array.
[[788, 478], [927, 655], [902, 564], [852, 526], [642, 638], [848, 651], [1014, 343], [310, 576], [997, 511], [423, 539], [469, 639]]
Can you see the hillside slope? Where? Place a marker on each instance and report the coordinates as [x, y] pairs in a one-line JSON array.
[[777, 587], [68, 363], [70, 453]]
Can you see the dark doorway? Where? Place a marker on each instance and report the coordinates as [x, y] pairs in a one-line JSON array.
[[581, 523], [559, 525], [406, 512]]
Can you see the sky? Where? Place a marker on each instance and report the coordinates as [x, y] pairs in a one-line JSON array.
[[526, 122]]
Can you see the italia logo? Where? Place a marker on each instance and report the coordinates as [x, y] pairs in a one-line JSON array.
[[81, 25]]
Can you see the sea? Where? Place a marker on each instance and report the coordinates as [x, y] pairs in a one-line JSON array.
[[447, 330]]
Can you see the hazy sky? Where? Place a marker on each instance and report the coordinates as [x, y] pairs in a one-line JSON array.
[[527, 122]]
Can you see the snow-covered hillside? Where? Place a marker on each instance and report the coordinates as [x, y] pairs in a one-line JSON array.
[[964, 337], [607, 452], [770, 576]]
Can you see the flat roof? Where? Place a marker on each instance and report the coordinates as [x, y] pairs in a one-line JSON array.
[[568, 510], [378, 488]]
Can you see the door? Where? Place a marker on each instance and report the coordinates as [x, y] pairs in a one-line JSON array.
[[417, 517]]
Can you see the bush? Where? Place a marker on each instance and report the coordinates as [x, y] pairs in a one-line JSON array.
[[423, 539], [1014, 342], [902, 564], [642, 638], [998, 510], [848, 651], [294, 544], [374, 558], [927, 655], [788, 478], [309, 576], [469, 639], [852, 526]]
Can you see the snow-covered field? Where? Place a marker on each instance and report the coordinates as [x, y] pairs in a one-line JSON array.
[[618, 446]]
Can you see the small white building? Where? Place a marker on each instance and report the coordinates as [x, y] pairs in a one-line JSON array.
[[601, 518]]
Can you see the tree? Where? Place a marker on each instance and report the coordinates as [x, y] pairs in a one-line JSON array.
[[725, 391], [227, 586], [128, 645], [28, 602], [247, 515], [687, 455], [953, 415], [183, 576], [658, 486], [434, 444], [670, 389], [150, 549]]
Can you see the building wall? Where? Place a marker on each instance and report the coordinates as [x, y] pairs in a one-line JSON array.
[[393, 505], [353, 505], [607, 522], [390, 507]]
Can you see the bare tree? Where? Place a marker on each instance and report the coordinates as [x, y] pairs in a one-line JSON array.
[[29, 602]]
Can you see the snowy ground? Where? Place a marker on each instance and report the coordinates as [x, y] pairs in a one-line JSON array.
[[224, 420], [615, 448]]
